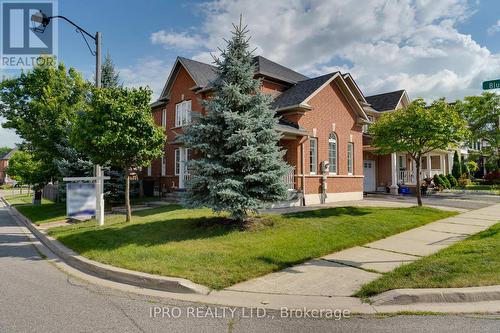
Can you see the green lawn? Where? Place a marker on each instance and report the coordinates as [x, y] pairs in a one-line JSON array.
[[186, 243], [472, 262], [48, 211]]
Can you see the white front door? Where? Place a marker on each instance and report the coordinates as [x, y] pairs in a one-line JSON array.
[[369, 173]]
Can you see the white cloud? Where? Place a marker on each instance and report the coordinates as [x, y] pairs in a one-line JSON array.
[[180, 40], [385, 44], [494, 28], [149, 72]]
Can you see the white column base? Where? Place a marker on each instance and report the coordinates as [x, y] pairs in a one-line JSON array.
[[394, 190]]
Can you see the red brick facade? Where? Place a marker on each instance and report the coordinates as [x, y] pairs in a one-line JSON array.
[[330, 111]]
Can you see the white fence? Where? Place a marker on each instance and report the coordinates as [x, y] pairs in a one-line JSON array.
[[408, 176]]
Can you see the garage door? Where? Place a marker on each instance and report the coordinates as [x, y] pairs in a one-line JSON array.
[[369, 173]]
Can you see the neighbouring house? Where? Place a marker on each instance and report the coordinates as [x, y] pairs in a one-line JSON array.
[[321, 120], [385, 173], [4, 163]]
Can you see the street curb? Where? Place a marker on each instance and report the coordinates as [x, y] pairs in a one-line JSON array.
[[437, 295], [108, 272]]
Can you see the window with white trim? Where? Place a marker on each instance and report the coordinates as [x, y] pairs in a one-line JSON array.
[[332, 153], [350, 156], [164, 166], [164, 118], [182, 113], [313, 156], [177, 162], [149, 171]]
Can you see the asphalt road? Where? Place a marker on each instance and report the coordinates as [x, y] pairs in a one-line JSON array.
[[37, 297]]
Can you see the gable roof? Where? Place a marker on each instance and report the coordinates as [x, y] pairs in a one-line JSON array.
[[8, 155], [300, 92], [203, 74], [269, 68], [386, 101]]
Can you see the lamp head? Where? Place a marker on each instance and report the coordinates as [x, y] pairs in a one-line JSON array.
[[40, 21]]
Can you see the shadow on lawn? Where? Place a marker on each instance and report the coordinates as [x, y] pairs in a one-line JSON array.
[[144, 234], [329, 212]]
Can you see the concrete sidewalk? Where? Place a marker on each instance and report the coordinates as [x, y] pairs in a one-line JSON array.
[[342, 273]]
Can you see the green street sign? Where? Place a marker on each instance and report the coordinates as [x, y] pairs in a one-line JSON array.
[[493, 84]]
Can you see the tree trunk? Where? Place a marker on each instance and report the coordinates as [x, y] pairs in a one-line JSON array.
[[127, 195], [417, 177]]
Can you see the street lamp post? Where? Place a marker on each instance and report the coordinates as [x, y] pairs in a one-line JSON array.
[[43, 21]]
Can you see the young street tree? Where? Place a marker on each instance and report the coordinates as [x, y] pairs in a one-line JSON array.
[[418, 130], [240, 166], [26, 170], [118, 129]]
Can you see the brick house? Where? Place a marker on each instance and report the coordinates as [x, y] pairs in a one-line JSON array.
[[385, 172], [4, 163], [321, 120]]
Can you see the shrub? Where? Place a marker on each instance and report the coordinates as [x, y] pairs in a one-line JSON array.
[[492, 178], [464, 181], [445, 181], [438, 183], [453, 181]]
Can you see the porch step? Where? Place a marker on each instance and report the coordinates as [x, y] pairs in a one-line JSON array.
[[173, 197]]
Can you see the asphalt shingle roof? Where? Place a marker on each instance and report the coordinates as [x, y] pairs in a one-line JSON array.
[[386, 101], [299, 92], [267, 67], [203, 73]]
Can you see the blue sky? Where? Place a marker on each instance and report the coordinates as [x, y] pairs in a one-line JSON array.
[[431, 48]]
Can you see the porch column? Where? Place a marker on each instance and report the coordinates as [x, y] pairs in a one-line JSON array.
[[394, 175], [450, 162], [429, 166], [441, 163]]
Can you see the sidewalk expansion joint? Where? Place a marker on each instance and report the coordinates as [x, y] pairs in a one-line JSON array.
[[353, 266], [376, 248]]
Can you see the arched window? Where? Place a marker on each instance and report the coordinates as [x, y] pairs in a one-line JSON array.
[[332, 153]]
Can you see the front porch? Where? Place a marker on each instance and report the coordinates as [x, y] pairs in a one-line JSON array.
[[386, 173]]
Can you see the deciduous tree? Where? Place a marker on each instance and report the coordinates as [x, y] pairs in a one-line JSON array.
[[118, 128], [417, 130]]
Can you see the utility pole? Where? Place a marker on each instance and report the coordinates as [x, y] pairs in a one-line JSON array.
[[98, 170], [99, 177]]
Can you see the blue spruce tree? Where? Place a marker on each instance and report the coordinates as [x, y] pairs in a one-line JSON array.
[[239, 166]]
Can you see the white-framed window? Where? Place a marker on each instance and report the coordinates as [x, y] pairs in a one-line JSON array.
[[149, 170], [350, 158], [332, 153], [163, 166], [367, 126], [177, 162], [164, 118], [423, 163], [182, 113], [313, 155], [436, 162], [401, 162]]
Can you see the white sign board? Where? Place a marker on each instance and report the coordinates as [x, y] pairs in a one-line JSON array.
[[80, 199]]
